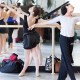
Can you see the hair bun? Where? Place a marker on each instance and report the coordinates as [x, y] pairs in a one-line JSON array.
[[38, 11]]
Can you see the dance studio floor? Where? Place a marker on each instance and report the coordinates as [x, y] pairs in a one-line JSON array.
[[46, 51]]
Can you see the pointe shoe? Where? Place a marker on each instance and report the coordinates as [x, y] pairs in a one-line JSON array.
[[21, 74]]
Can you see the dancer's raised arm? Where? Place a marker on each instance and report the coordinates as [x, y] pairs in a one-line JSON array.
[[20, 11], [17, 12]]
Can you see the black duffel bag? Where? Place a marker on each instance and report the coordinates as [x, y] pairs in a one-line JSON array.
[[12, 66], [31, 39]]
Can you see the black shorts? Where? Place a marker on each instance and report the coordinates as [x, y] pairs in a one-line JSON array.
[[3, 30]]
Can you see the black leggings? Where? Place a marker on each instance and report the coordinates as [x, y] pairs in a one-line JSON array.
[[10, 31], [66, 58]]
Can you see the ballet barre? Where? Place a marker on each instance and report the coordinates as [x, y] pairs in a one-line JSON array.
[[20, 26], [11, 26], [77, 26]]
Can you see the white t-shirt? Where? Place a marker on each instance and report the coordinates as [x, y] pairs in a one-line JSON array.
[[67, 24]]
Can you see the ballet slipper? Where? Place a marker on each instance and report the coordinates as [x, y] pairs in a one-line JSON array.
[[37, 75], [21, 74]]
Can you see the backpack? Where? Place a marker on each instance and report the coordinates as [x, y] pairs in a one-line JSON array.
[[48, 64]]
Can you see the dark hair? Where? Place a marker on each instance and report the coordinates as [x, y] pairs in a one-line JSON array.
[[18, 4], [64, 9], [1, 7], [7, 9], [26, 8], [37, 10]]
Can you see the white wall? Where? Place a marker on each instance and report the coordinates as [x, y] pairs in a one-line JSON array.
[[13, 1], [7, 1], [56, 3], [43, 3], [76, 4]]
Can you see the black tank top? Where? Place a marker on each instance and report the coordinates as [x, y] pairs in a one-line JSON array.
[[25, 25], [2, 22]]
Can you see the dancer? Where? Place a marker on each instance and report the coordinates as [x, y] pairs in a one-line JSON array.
[[11, 21], [3, 32]]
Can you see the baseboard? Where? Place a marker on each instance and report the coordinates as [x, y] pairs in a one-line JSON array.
[[32, 69]]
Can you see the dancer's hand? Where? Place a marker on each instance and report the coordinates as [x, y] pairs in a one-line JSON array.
[[31, 27], [40, 20]]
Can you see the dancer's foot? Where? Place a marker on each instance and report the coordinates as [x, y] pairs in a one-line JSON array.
[[21, 74], [37, 74]]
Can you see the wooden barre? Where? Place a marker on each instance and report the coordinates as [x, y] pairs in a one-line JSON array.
[[11, 26], [37, 26], [20, 26]]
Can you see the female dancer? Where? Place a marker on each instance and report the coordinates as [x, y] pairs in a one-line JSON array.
[[3, 32], [11, 21], [66, 39], [30, 19]]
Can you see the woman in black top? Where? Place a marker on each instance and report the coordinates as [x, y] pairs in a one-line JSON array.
[[3, 32], [29, 20]]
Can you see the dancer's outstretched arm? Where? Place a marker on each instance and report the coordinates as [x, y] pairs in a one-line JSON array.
[[42, 22], [17, 12], [20, 11]]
